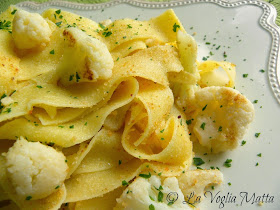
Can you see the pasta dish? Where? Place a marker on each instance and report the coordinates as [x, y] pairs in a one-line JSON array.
[[106, 115]]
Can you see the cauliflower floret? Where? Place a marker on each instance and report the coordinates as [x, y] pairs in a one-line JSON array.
[[86, 58], [221, 117], [6, 101], [193, 183], [35, 169], [30, 30], [143, 193]]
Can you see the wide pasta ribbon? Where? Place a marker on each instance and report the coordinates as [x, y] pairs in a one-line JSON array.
[[73, 132], [152, 131]]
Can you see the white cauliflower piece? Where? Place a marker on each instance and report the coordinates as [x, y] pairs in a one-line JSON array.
[[221, 117], [30, 30], [7, 100], [35, 169], [193, 183], [87, 58], [144, 193]]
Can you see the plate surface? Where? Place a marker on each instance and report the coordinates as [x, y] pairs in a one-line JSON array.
[[243, 33]]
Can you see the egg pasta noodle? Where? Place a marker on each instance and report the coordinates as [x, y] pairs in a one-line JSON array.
[[95, 115]]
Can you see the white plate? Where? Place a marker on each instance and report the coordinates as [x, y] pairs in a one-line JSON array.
[[247, 33]]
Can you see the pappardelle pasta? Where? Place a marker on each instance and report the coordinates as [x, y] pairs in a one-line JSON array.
[[105, 115]]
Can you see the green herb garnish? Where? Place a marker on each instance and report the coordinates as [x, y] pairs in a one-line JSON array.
[[198, 161], [227, 163], [203, 125], [146, 176], [175, 26]]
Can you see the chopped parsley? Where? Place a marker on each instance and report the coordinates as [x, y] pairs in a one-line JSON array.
[[58, 23], [160, 196], [8, 110], [101, 26], [204, 107], [151, 207], [245, 75], [257, 135], [170, 203], [13, 12], [189, 122], [207, 43], [262, 71], [3, 96], [255, 101], [85, 123], [243, 143], [58, 11], [120, 162], [129, 26], [107, 33], [124, 183], [203, 125], [39, 86], [175, 26], [158, 189], [71, 77], [152, 198], [227, 163], [220, 129], [5, 25], [52, 52], [28, 198], [257, 164], [225, 54], [229, 183], [71, 126], [162, 131], [77, 77], [198, 161], [57, 187], [259, 155], [146, 176], [13, 92]]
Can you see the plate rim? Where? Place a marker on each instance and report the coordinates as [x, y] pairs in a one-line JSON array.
[[267, 21]]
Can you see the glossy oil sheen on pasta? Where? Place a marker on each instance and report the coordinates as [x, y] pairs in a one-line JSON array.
[[117, 100]]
